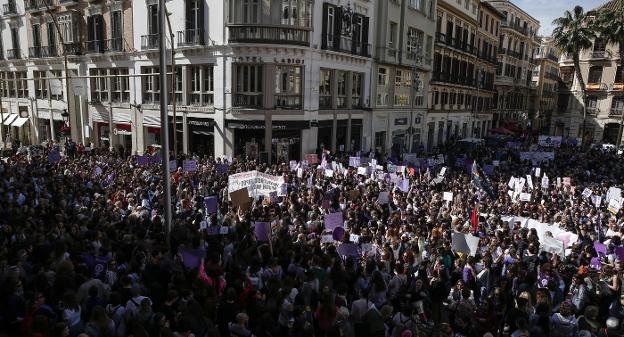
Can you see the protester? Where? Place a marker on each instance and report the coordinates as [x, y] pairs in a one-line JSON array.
[[451, 243]]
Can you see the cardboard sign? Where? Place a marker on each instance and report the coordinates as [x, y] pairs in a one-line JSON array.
[[525, 196], [595, 263], [529, 181], [614, 206], [512, 182], [240, 197], [354, 238], [189, 165], [538, 172], [329, 173], [586, 193], [596, 200], [173, 165], [191, 257], [459, 243], [614, 193], [333, 220], [257, 183], [448, 196], [545, 182]]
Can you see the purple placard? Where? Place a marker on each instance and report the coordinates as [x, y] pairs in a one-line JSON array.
[[326, 204], [348, 249], [338, 233], [142, 160], [595, 263], [173, 165], [211, 204], [600, 248], [189, 165], [488, 169], [155, 160], [213, 230], [333, 220], [619, 253], [262, 231], [192, 257], [54, 156], [222, 168]]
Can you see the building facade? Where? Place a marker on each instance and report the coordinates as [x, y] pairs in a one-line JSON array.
[[546, 81], [517, 47], [403, 58], [463, 72], [604, 81]]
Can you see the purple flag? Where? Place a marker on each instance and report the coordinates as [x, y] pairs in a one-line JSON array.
[[189, 165], [192, 257], [600, 248], [333, 220], [222, 168], [595, 263], [262, 231], [488, 169], [619, 253], [211, 204], [155, 160], [348, 249], [54, 156], [338, 233], [142, 160]]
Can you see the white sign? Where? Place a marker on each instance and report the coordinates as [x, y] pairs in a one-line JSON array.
[[586, 192], [545, 182], [530, 182], [448, 196], [614, 205], [538, 172], [614, 193], [443, 171], [384, 197], [257, 183], [354, 238], [512, 182], [597, 200], [525, 196], [329, 173]]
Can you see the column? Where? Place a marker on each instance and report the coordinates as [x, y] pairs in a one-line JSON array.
[[111, 126], [348, 140], [185, 134], [334, 106], [347, 146], [268, 134]]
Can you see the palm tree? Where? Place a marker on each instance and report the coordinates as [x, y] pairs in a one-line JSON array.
[[572, 35], [609, 25]]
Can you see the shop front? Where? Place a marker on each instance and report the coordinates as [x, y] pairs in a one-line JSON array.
[[249, 138], [201, 136], [122, 135], [342, 134]]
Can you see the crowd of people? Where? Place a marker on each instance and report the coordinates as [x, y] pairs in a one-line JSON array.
[[85, 249]]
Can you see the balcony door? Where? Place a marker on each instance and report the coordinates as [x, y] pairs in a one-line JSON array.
[[194, 21], [36, 34], [96, 32]]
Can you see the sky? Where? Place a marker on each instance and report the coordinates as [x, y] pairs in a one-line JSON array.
[[547, 10]]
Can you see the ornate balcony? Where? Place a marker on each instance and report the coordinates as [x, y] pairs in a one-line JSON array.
[[345, 44], [616, 112], [592, 111], [247, 100], [13, 54], [599, 55], [269, 34], [191, 37], [288, 101], [34, 5], [9, 8], [105, 46], [151, 41], [73, 48]]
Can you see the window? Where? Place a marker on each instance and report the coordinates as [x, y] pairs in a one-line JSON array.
[[152, 19], [467, 4], [41, 84], [595, 74], [341, 89], [414, 40], [116, 24], [428, 49], [325, 89], [398, 78], [382, 76], [416, 4], [251, 11], [51, 35], [201, 86], [330, 26], [57, 74], [288, 82], [194, 14], [401, 100], [382, 99], [99, 85], [21, 84], [177, 85], [4, 79], [356, 90], [617, 105], [120, 85], [393, 30], [248, 86], [436, 97], [592, 105], [69, 29], [151, 85], [36, 34], [95, 38]]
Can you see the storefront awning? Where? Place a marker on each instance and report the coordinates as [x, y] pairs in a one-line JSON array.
[[9, 119], [19, 122]]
